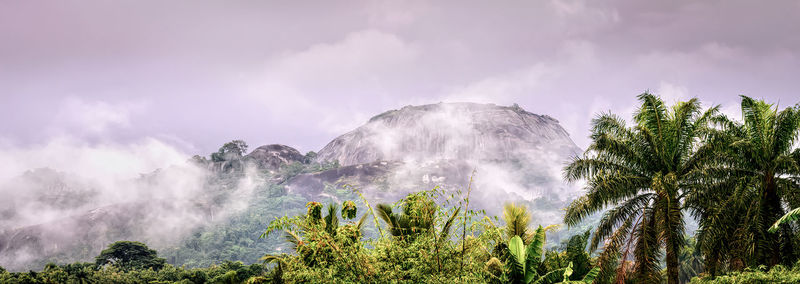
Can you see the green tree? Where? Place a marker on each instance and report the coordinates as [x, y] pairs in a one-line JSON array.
[[691, 260], [417, 217], [233, 150], [644, 172], [753, 176], [129, 255]]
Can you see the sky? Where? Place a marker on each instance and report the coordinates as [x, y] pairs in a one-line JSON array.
[[196, 74]]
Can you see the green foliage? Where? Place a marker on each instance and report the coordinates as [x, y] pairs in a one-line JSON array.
[[419, 250], [314, 213], [517, 219], [325, 248], [417, 217], [734, 177], [753, 177], [692, 262], [777, 274], [349, 209], [233, 150], [789, 217], [227, 272], [646, 172], [128, 255]]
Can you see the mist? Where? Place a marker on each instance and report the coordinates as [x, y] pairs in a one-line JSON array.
[[68, 193], [516, 156]]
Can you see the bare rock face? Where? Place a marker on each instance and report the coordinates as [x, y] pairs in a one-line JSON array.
[[273, 156], [450, 131], [507, 152]]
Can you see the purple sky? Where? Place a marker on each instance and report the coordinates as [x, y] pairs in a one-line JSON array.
[[196, 74]]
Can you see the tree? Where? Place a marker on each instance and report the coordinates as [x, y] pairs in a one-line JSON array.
[[309, 157], [517, 219], [644, 172], [233, 150], [129, 255], [417, 217], [691, 260], [754, 177]]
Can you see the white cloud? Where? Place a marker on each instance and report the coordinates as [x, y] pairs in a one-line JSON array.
[[93, 117], [672, 93], [350, 73], [109, 161], [502, 89], [529, 81], [358, 58]]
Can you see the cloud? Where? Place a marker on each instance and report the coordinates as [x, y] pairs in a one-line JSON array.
[[79, 116], [360, 57], [527, 82], [502, 89], [70, 194], [349, 74]]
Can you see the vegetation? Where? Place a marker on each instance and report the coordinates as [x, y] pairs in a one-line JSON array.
[[420, 248], [646, 171], [128, 255], [734, 178], [672, 166]]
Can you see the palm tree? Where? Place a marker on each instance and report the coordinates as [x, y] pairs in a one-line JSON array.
[[517, 219], [691, 260], [757, 169], [418, 217], [317, 229], [644, 172]]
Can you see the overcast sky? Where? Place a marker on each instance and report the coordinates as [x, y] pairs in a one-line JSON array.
[[195, 74]]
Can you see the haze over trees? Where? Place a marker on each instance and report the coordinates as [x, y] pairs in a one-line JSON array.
[[739, 180]]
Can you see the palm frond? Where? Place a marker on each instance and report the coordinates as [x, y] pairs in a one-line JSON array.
[[789, 217], [517, 219], [449, 223]]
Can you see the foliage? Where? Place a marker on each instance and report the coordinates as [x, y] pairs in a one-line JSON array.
[[777, 274], [691, 259], [349, 209], [233, 150], [418, 249], [128, 255], [227, 272], [735, 178], [789, 217], [753, 177], [417, 216], [645, 172]]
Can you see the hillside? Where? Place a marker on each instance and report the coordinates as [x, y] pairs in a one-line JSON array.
[[215, 208]]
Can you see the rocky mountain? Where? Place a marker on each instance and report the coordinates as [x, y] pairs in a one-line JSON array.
[[515, 153], [450, 131]]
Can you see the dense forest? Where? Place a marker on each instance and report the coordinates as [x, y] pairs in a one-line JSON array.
[[738, 179]]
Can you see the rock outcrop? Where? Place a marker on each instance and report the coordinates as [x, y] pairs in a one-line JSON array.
[[450, 131], [274, 156], [515, 153]]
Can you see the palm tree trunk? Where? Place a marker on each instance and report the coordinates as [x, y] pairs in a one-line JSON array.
[[673, 266], [771, 212], [673, 243]]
